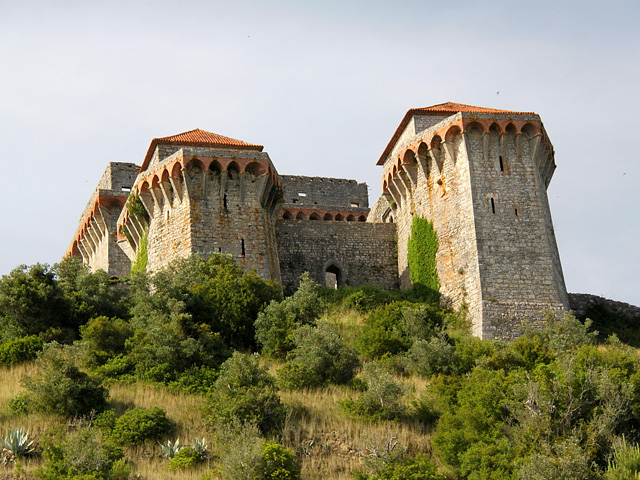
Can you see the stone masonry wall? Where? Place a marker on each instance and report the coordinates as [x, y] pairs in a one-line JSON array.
[[518, 259], [324, 193], [212, 210], [486, 195], [363, 252]]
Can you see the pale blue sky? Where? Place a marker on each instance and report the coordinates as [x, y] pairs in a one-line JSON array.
[[322, 85]]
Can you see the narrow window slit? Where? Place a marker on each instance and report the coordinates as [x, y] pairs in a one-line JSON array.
[[501, 163], [224, 201], [493, 206], [243, 251]]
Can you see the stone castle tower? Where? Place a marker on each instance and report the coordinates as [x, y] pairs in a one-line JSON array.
[[205, 193], [480, 175]]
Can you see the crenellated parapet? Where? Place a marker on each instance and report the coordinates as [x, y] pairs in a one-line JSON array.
[[95, 240], [480, 175], [204, 198]]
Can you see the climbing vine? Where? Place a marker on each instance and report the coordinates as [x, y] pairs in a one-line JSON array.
[[136, 208], [140, 263], [421, 256]]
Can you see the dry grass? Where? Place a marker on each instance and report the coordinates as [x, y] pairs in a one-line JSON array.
[[333, 444], [330, 443]]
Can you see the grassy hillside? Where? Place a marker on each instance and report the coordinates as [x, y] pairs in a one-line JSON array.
[[349, 384]]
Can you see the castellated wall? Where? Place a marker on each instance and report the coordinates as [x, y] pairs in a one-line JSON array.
[[95, 240], [204, 200], [325, 193], [363, 252], [483, 184]]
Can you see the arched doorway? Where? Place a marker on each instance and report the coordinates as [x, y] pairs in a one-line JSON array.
[[333, 276]]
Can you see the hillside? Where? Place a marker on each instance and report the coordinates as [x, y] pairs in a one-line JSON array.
[[354, 383]]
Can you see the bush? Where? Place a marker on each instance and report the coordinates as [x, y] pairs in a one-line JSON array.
[[382, 398], [392, 328], [20, 350], [245, 392], [186, 457], [279, 463], [320, 357], [431, 357], [275, 325], [105, 337], [214, 292], [138, 425], [83, 454], [58, 386], [418, 468], [31, 301]]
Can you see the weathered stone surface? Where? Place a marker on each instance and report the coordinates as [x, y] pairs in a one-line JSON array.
[[480, 175]]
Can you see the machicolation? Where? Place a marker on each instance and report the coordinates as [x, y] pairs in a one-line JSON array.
[[479, 175]]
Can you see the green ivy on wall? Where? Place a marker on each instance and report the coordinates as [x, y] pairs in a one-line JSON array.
[[140, 264], [136, 208], [421, 256]]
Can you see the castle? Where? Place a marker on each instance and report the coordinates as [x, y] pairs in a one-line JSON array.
[[480, 175]]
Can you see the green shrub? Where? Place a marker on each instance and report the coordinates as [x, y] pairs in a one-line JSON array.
[[279, 463], [82, 454], [320, 357], [20, 349], [31, 301], [431, 357], [58, 386], [625, 464], [392, 328], [245, 392], [382, 398], [276, 323], [215, 293], [418, 468], [138, 425], [105, 337], [19, 404], [185, 458]]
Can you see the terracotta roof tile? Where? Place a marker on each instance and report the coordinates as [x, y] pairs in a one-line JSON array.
[[452, 107], [198, 138], [447, 107], [202, 137]]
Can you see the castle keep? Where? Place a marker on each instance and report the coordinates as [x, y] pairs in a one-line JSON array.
[[479, 174]]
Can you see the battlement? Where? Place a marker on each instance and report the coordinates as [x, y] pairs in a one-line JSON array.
[[479, 175], [322, 198]]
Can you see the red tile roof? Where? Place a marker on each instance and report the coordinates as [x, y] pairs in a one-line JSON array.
[[198, 138], [460, 107], [447, 107]]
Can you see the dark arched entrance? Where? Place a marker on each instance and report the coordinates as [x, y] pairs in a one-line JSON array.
[[333, 277]]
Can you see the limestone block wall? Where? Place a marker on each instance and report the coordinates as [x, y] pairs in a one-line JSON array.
[[321, 192], [229, 217], [518, 257], [205, 200], [481, 178], [95, 240], [362, 252]]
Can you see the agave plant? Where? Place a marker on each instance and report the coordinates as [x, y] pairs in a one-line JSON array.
[[17, 442], [199, 445], [171, 448]]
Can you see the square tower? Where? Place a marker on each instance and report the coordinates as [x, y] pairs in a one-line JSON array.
[[480, 175]]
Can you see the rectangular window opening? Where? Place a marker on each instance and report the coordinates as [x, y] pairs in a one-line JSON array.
[[243, 251]]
